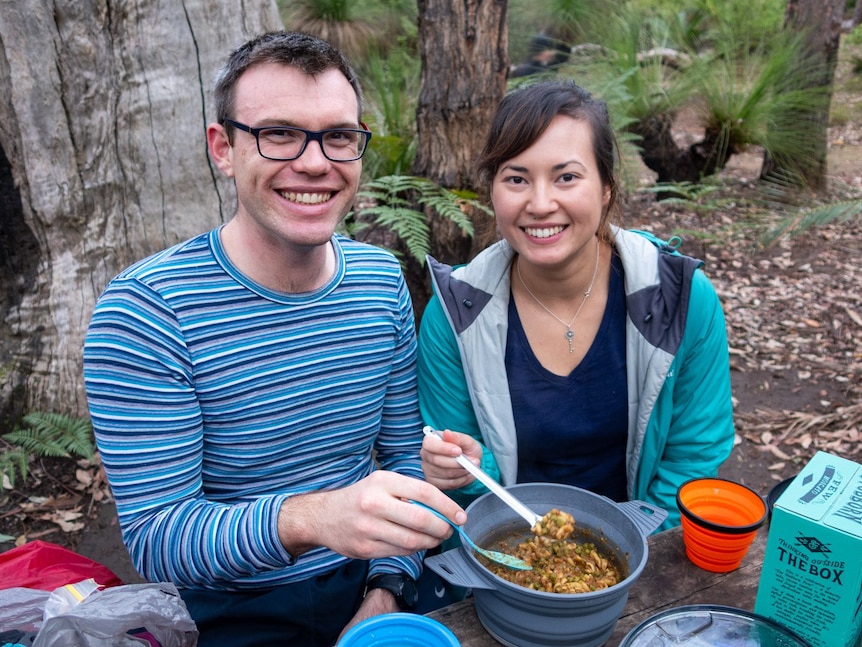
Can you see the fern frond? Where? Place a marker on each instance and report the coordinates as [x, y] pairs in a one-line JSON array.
[[407, 224], [449, 206], [55, 435], [393, 197], [385, 197], [15, 461], [37, 443]]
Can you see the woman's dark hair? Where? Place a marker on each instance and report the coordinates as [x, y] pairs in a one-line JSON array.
[[308, 53], [525, 113]]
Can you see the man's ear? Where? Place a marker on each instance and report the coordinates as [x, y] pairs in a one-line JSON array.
[[220, 148]]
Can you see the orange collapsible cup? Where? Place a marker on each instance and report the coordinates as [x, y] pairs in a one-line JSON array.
[[719, 521]]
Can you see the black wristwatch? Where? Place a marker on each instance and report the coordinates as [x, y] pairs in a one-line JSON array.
[[401, 585]]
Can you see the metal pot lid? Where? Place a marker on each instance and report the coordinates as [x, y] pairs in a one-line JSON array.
[[710, 625]]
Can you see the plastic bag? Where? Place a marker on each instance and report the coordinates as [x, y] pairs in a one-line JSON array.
[[63, 599], [43, 565], [132, 615], [21, 609]]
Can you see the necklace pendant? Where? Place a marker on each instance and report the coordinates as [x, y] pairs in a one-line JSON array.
[[570, 335]]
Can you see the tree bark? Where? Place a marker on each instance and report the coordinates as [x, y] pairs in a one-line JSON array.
[[820, 20], [103, 108], [463, 47]]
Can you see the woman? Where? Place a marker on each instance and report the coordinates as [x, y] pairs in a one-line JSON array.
[[571, 351]]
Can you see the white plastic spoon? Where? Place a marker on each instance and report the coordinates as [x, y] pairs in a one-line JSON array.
[[529, 516]]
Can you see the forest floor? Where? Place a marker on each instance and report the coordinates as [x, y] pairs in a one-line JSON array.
[[794, 319]]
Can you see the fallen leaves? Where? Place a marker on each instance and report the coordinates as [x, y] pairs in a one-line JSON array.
[[67, 509], [68, 520], [788, 434], [792, 313], [63, 511]]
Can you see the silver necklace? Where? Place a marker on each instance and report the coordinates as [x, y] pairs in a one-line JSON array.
[[570, 334]]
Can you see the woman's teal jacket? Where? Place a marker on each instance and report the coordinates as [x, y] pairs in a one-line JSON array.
[[680, 412]]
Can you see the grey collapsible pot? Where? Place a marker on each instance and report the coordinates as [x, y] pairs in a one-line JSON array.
[[521, 617]]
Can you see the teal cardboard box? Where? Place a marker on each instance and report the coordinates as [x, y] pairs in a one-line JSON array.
[[812, 569]]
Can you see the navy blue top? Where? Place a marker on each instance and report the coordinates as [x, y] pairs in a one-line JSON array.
[[572, 429]]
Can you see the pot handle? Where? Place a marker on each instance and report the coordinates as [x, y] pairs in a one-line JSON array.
[[453, 567], [646, 516]]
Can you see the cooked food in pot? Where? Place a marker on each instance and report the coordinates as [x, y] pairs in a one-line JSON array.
[[561, 563], [556, 524]]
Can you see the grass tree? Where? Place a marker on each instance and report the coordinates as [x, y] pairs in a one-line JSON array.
[[758, 99], [336, 21], [746, 87]]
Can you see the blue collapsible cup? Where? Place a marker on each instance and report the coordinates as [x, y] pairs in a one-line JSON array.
[[399, 630]]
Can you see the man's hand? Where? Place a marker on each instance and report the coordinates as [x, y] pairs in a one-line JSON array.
[[377, 602], [438, 456], [369, 519]]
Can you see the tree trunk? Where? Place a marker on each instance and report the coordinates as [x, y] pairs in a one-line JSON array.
[[820, 20], [103, 108], [672, 162], [463, 47], [849, 25]]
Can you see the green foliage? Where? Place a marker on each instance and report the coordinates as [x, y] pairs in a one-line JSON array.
[[336, 21], [525, 19], [757, 19], [747, 86], [732, 66], [45, 435], [652, 86], [393, 198], [391, 84], [709, 200], [357, 28], [332, 10], [806, 218], [13, 461], [754, 95], [577, 21], [852, 38], [691, 195]]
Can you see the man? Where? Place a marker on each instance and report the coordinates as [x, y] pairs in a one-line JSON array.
[[242, 384]]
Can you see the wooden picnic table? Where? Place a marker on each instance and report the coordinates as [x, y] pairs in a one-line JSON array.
[[668, 580]]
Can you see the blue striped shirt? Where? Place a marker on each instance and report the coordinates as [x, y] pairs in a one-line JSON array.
[[213, 399]]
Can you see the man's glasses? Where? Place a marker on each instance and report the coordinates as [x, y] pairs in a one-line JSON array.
[[285, 143]]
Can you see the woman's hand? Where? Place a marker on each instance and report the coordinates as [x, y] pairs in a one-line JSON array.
[[438, 459]]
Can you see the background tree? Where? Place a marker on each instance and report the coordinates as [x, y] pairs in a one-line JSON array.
[[454, 109], [103, 107], [819, 23]]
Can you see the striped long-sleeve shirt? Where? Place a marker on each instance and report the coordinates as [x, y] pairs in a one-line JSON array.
[[213, 399]]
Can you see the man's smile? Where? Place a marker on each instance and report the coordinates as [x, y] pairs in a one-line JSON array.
[[305, 198]]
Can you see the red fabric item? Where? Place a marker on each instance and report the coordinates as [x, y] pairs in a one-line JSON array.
[[46, 566]]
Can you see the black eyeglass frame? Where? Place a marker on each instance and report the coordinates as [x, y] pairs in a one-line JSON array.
[[310, 135]]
